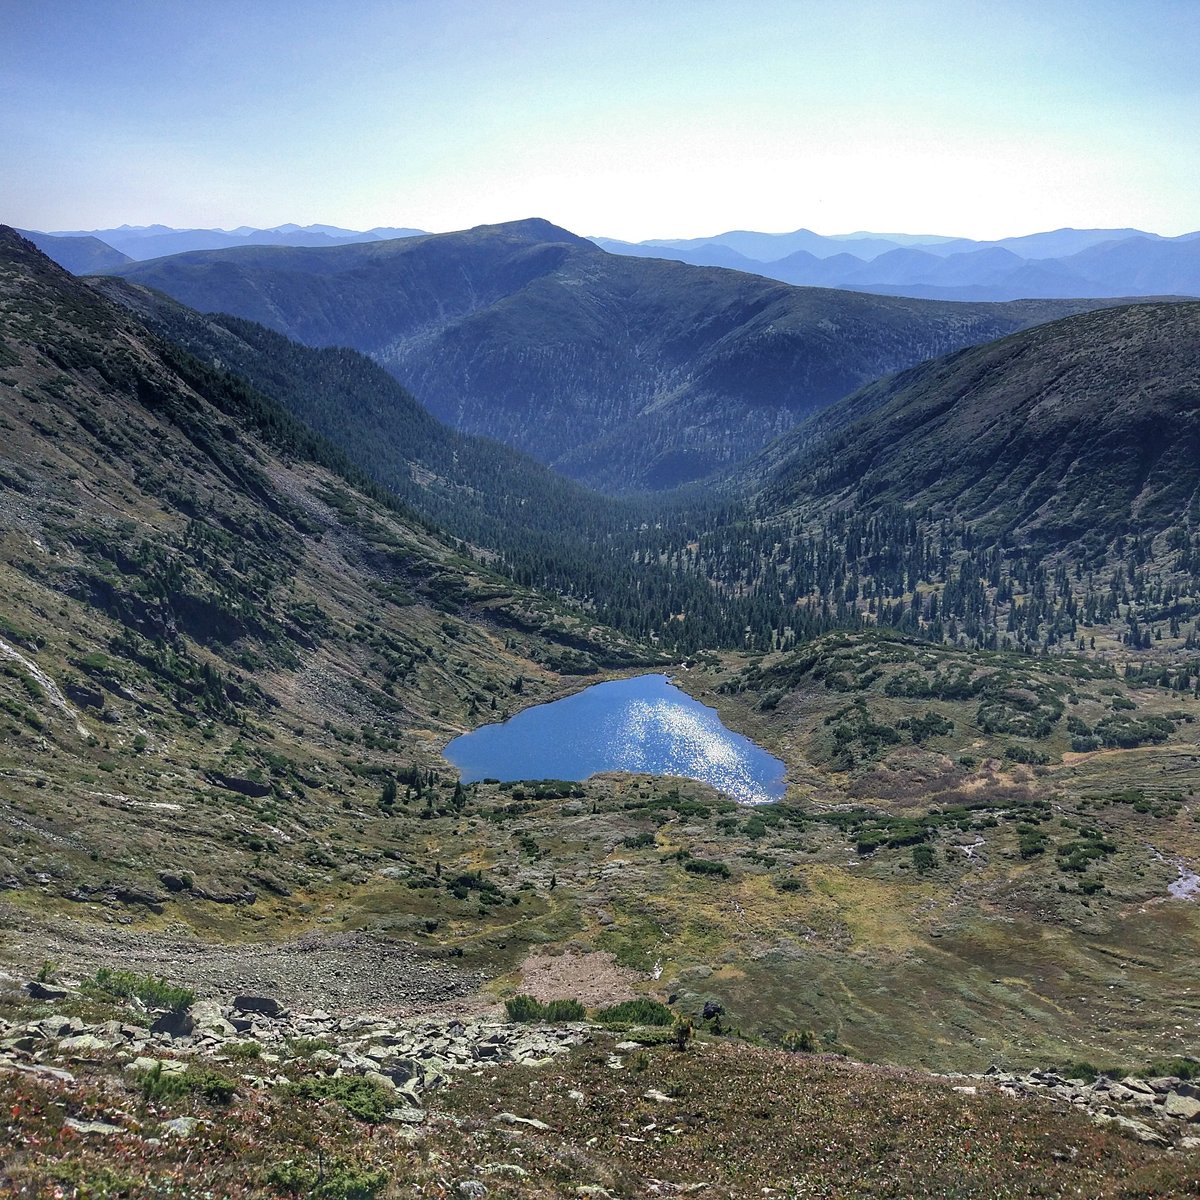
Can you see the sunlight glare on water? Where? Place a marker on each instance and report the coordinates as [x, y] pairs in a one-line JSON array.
[[644, 725]]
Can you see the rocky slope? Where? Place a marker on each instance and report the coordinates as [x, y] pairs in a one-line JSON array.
[[249, 1100], [623, 373]]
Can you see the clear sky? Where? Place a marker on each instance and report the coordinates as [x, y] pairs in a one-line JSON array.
[[656, 118]]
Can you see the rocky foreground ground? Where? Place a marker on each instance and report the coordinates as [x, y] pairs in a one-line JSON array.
[[248, 1097]]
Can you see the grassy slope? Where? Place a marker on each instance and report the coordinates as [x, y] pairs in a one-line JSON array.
[[215, 610]]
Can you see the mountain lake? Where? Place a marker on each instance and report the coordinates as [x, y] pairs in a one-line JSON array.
[[644, 725]]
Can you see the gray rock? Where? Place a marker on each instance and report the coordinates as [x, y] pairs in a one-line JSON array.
[[406, 1115], [1137, 1129], [84, 1043], [507, 1118], [52, 1027], [41, 1071], [517, 1172], [182, 1126], [1182, 1108], [207, 1019], [1138, 1085], [174, 1024], [102, 1128], [472, 1189]]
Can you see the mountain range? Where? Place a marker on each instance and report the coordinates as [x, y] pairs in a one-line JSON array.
[[139, 242], [1057, 263], [623, 373], [1075, 431], [1064, 262]]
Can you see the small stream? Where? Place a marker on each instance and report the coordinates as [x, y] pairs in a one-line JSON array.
[[1187, 886]]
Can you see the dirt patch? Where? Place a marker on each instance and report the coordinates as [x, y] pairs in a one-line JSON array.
[[592, 977]]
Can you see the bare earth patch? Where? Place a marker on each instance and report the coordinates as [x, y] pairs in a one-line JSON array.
[[592, 977]]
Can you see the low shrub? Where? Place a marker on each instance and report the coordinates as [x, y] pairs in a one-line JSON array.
[[158, 1085], [529, 1011], [364, 1099], [705, 866], [337, 1180], [565, 1010], [524, 1009], [642, 1011], [800, 1041], [153, 992]]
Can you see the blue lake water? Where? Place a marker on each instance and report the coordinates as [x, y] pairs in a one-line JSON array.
[[644, 725]]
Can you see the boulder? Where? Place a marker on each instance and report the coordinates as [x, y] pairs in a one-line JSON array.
[[265, 1005], [83, 1043], [84, 695], [38, 990], [102, 1128], [174, 1024], [239, 784], [1182, 1108], [1138, 1085], [208, 1020], [182, 1126], [1137, 1129], [407, 1115], [507, 1118]]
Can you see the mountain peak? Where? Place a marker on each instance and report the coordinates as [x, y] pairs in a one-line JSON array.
[[535, 229]]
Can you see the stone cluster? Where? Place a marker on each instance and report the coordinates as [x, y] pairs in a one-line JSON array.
[[1161, 1112], [409, 1056]]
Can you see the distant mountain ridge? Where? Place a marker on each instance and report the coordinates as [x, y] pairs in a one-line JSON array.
[[83, 255], [1059, 263], [141, 242], [624, 374], [1077, 263]]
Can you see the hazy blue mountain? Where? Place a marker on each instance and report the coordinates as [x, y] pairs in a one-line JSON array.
[[770, 247], [140, 242], [1055, 243], [1061, 262], [82, 255], [709, 255], [621, 372], [1142, 265]]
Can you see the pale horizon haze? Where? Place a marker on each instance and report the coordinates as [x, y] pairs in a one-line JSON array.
[[629, 120]]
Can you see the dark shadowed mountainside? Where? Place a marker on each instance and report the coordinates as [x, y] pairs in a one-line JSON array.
[[1086, 428], [623, 373]]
